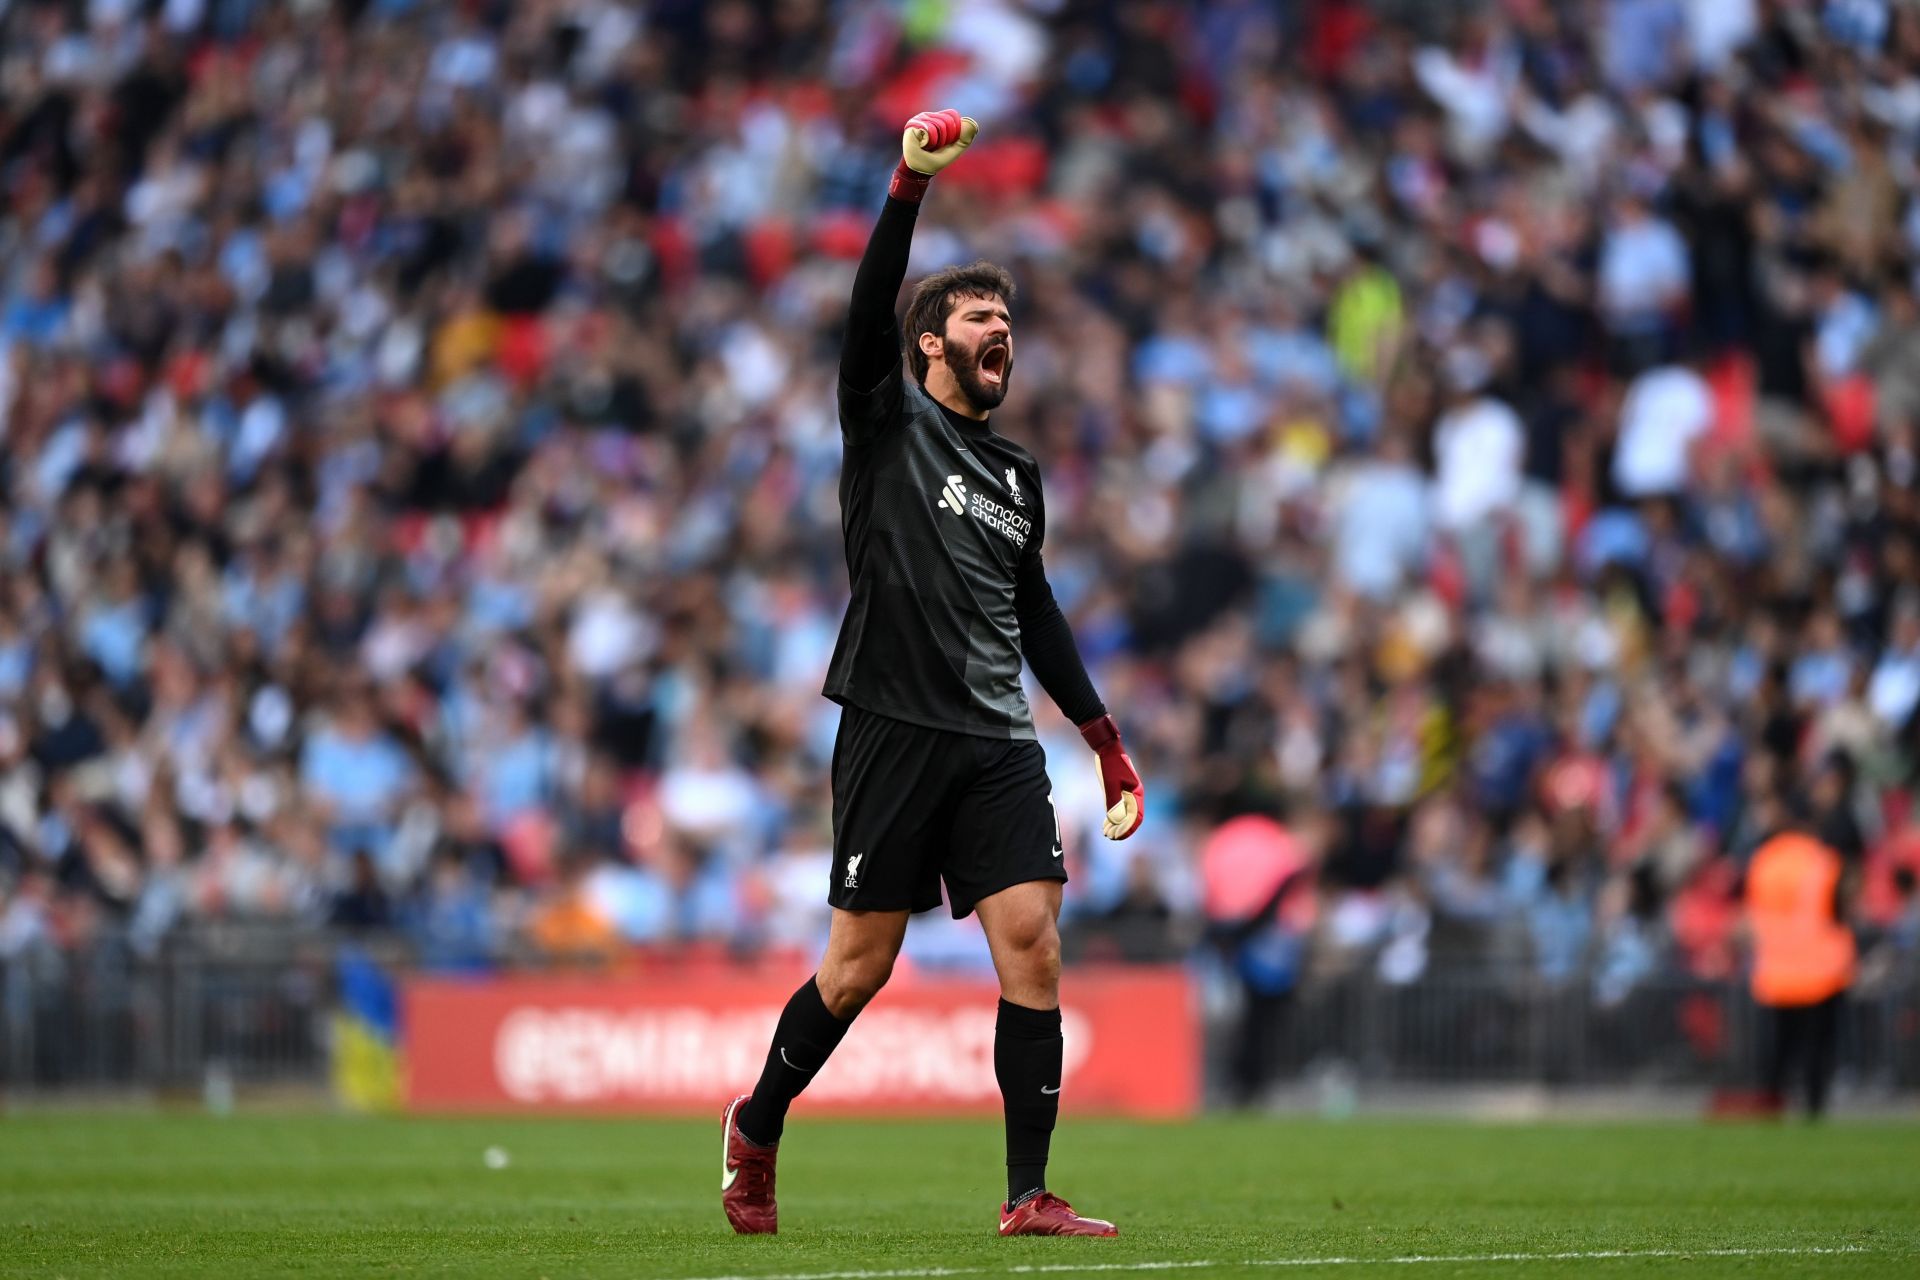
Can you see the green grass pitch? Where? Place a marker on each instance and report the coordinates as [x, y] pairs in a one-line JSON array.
[[268, 1194]]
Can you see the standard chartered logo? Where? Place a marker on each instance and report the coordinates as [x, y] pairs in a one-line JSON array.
[[1004, 521]]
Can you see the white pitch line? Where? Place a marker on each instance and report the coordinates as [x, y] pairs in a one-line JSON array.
[[1417, 1259]]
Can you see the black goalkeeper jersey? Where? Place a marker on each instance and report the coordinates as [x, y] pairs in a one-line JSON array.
[[943, 522], [939, 519]]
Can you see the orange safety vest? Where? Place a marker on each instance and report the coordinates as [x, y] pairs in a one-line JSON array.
[[1802, 955]]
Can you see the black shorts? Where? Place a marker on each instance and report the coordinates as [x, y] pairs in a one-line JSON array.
[[915, 806]]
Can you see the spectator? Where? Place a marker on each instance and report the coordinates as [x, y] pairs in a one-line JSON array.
[[355, 771], [1642, 277], [1478, 446], [451, 922], [566, 926], [362, 904], [1382, 520], [1666, 412]]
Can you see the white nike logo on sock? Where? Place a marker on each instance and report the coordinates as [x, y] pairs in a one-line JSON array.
[[1044, 1089], [789, 1061]]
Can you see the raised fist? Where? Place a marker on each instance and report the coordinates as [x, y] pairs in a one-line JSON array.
[[934, 139]]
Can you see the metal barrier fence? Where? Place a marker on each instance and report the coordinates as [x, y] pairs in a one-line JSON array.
[[254, 1009], [1483, 1028], [248, 1008]]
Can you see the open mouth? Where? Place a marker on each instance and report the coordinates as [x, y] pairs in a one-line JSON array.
[[993, 365]]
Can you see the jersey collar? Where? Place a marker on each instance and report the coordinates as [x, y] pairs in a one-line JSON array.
[[962, 423]]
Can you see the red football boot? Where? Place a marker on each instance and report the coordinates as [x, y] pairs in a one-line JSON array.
[[1048, 1215], [746, 1178]]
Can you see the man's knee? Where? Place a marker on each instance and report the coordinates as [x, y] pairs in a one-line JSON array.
[[1031, 942], [847, 983]]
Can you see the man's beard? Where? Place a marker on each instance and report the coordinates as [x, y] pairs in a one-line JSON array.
[[981, 393]]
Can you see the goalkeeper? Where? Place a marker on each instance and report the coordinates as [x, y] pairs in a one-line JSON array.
[[937, 774]]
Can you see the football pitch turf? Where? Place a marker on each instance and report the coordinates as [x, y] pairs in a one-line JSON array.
[[267, 1194]]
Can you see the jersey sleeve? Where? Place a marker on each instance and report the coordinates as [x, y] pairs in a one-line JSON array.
[[870, 363], [1046, 638]]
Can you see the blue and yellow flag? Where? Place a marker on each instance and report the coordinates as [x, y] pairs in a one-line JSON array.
[[366, 1035]]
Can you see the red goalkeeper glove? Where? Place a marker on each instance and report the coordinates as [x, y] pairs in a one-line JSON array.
[[1126, 794], [931, 141]]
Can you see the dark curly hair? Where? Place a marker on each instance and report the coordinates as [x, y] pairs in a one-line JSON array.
[[934, 297]]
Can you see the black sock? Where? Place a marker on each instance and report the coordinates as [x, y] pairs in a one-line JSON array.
[[1026, 1061], [805, 1037]]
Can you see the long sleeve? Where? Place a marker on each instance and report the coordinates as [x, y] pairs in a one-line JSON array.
[[1046, 641], [870, 351]]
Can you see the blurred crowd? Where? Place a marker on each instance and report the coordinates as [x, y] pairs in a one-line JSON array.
[[1481, 443]]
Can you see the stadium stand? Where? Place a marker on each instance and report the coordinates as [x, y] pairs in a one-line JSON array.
[[1481, 448]]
